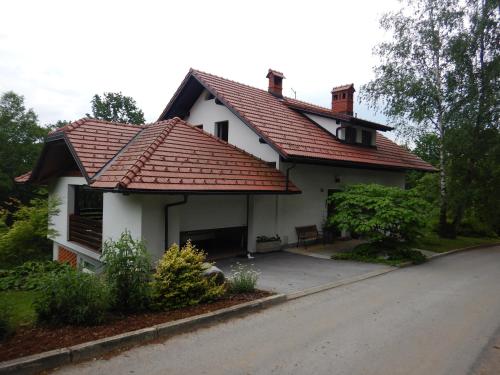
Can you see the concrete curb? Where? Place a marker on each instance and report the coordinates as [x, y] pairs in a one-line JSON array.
[[336, 284], [43, 361], [439, 255]]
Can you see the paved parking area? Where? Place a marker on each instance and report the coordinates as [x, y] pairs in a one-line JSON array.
[[284, 272]]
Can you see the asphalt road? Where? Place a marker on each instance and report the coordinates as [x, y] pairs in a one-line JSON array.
[[437, 318]]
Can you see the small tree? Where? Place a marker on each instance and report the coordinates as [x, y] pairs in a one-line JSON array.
[[179, 279], [28, 238], [381, 213], [127, 269], [114, 106]]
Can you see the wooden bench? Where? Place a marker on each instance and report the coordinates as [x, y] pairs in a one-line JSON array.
[[306, 233]]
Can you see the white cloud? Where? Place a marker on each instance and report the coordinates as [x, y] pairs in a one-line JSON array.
[[59, 53]]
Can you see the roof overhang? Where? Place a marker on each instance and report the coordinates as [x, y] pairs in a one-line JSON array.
[[350, 164], [57, 155], [345, 118]]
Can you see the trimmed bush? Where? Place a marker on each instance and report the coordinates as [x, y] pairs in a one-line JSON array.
[[127, 268], [179, 282], [243, 279], [72, 297]]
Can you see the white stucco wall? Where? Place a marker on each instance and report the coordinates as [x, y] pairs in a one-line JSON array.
[[310, 207], [206, 112], [331, 126], [121, 212]]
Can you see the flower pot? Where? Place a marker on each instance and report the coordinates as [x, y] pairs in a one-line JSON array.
[[268, 246]]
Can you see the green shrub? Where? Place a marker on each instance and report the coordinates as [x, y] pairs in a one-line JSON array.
[[243, 279], [72, 297], [178, 280], [386, 251], [5, 321], [27, 239], [30, 275], [380, 212], [127, 268]]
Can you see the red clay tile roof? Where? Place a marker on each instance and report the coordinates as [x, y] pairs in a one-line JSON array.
[[96, 142], [172, 155], [291, 133]]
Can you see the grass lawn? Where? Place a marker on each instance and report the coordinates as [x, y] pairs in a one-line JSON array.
[[434, 243], [20, 305]]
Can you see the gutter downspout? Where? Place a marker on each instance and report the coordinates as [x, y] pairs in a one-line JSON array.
[[288, 175], [167, 206]]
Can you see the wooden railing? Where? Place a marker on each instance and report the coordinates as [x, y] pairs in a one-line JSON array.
[[87, 232]]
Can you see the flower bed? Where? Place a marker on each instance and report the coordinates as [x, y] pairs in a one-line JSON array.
[[27, 341]]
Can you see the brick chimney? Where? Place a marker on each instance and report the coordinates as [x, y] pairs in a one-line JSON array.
[[275, 83], [343, 99]]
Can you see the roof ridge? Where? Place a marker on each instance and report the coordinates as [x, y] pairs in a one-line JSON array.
[[146, 154], [75, 124], [230, 80]]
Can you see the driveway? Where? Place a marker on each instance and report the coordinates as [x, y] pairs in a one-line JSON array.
[[435, 318], [284, 272]]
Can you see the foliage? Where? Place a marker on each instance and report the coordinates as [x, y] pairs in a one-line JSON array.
[[268, 239], [22, 312], [386, 252], [439, 75], [27, 239], [243, 279], [30, 275], [72, 297], [178, 281], [380, 212], [127, 268], [116, 107], [21, 141]]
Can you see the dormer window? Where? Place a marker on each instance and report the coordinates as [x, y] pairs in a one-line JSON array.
[[350, 135]]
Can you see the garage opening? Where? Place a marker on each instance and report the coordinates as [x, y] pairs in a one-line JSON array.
[[218, 243]]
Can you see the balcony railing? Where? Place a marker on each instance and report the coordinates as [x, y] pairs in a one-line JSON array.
[[85, 231]]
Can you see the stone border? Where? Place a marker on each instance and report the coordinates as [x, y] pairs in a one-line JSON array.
[[92, 349], [438, 255]]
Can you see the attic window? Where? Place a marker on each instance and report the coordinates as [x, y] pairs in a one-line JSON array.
[[335, 97], [209, 96], [350, 135], [366, 138], [222, 130], [343, 95]]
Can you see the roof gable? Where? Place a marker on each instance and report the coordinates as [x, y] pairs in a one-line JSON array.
[[283, 126]]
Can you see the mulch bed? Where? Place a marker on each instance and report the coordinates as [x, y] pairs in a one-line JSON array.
[[27, 341]]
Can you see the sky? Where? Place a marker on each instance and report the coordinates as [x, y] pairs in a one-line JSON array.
[[58, 54]]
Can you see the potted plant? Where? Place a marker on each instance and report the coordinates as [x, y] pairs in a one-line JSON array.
[[266, 244]]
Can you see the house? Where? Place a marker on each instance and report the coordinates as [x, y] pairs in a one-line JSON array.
[[224, 163]]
